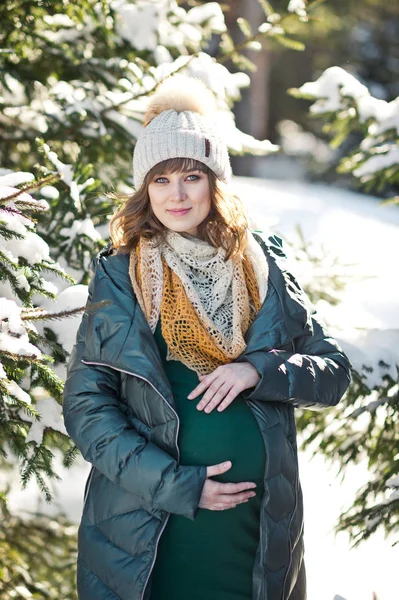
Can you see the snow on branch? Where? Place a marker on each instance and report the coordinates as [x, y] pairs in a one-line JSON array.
[[348, 106]]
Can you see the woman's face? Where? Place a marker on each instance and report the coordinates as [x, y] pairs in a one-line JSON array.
[[181, 201]]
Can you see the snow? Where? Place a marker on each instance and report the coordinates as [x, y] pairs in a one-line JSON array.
[[131, 126], [333, 84], [66, 171], [16, 223], [14, 179], [370, 107], [72, 297], [59, 20], [368, 348], [393, 497], [50, 192], [137, 24], [48, 286], [387, 118], [216, 76], [388, 156], [33, 248], [298, 7], [146, 25], [393, 481], [3, 374], [15, 390], [296, 141], [10, 311], [50, 417], [6, 191], [14, 93], [265, 28], [78, 228], [211, 13], [66, 29], [336, 90], [13, 335]]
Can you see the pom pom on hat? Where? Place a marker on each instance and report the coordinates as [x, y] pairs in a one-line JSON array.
[[180, 122], [181, 94]]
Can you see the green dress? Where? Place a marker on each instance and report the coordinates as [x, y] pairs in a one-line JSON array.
[[212, 557]]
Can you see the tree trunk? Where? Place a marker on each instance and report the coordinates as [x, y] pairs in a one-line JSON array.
[[252, 112]]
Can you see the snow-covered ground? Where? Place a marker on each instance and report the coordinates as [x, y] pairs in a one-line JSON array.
[[358, 229]]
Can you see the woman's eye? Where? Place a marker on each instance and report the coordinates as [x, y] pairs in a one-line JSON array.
[[160, 180], [195, 177]]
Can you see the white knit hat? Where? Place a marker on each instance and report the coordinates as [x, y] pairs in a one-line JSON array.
[[180, 124]]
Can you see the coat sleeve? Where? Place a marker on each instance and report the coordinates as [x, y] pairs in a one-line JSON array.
[[315, 375], [106, 439]]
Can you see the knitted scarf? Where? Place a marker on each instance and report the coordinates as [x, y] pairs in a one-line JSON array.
[[206, 304]]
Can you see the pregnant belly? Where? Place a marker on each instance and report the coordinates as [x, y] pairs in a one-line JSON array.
[[212, 438]]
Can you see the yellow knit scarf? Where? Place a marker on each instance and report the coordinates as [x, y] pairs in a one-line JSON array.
[[189, 334]]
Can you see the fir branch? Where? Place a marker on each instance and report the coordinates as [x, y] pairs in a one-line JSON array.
[[55, 347], [34, 185], [42, 315], [7, 233], [4, 258], [44, 375], [70, 456], [140, 93], [12, 356], [51, 268]]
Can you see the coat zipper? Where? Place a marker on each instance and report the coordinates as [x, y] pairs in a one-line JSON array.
[[86, 362], [290, 523], [292, 449], [88, 484]]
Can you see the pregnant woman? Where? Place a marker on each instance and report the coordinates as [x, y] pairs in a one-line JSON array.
[[182, 385]]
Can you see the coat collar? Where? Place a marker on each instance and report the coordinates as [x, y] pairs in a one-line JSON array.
[[119, 336]]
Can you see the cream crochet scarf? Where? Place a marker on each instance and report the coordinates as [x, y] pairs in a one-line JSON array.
[[216, 288]]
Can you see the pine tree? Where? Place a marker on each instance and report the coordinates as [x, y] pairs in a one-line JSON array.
[[30, 390], [347, 107], [37, 557], [366, 424]]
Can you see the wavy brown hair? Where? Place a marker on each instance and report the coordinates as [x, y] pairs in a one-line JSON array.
[[225, 226]]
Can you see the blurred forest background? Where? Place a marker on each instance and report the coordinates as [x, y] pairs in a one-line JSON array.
[[361, 36]]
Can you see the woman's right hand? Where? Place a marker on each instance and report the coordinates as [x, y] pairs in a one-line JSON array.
[[221, 496]]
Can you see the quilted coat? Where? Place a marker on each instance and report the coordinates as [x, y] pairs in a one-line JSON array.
[[119, 410]]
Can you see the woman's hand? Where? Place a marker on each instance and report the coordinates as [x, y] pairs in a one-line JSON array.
[[221, 496], [224, 384]]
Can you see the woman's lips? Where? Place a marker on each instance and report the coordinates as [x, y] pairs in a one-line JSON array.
[[179, 213]]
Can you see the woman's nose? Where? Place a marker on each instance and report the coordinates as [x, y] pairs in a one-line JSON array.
[[178, 191]]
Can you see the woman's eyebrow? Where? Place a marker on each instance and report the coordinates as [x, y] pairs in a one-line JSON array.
[[165, 174]]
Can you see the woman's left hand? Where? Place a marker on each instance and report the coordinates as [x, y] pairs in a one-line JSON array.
[[223, 385]]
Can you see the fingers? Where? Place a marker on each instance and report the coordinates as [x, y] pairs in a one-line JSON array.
[[218, 469], [229, 499], [233, 393], [206, 380], [226, 501], [215, 394], [219, 388], [223, 402], [222, 496], [235, 488]]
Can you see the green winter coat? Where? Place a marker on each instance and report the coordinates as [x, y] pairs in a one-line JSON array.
[[119, 410]]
